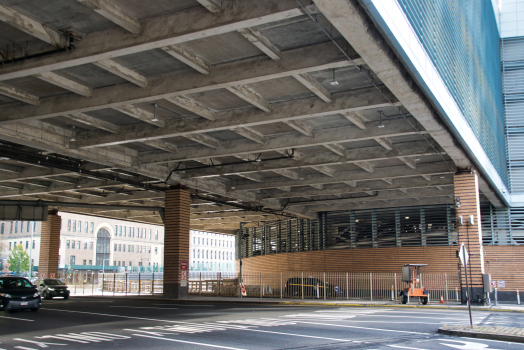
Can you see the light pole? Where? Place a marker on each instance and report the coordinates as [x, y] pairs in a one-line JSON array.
[[31, 253], [103, 264]]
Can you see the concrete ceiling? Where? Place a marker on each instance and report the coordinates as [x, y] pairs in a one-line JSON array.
[[112, 101]]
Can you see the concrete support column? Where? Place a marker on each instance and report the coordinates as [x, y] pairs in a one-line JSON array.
[[467, 193], [49, 245], [176, 241]]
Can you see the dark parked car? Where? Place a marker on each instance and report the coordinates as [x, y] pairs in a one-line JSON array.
[[18, 293], [50, 288], [313, 288]]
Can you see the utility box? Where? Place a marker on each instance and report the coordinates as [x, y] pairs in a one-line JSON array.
[[486, 282], [406, 274]]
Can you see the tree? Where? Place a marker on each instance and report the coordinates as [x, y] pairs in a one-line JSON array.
[[19, 260]]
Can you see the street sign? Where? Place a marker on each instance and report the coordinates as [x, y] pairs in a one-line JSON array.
[[463, 255], [183, 265]]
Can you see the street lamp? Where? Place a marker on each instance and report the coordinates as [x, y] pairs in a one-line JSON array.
[[103, 265], [31, 253]]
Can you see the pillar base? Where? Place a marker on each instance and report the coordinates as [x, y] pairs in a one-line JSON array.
[[175, 291], [476, 291]]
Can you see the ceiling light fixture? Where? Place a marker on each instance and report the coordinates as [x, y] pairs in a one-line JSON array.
[[73, 138], [334, 81], [301, 177], [380, 118], [154, 118]]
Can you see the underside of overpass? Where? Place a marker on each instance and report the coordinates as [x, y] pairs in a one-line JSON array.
[[263, 110]]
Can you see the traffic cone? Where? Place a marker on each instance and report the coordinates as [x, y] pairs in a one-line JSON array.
[[441, 299]]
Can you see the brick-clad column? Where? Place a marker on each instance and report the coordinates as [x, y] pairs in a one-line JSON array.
[[49, 245], [176, 241], [467, 189]]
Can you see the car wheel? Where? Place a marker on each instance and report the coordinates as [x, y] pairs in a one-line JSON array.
[[404, 299], [46, 296], [66, 297], [34, 310], [424, 300]]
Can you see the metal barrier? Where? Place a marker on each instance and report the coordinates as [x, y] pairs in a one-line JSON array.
[[298, 285]]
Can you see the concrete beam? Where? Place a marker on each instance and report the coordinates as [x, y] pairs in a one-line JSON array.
[[300, 126], [260, 41], [142, 115], [19, 95], [205, 140], [214, 6], [123, 72], [409, 162], [288, 173], [283, 111], [11, 168], [253, 176], [366, 166], [398, 184], [65, 83], [163, 145], [314, 85], [324, 170], [282, 142], [440, 168], [318, 161], [384, 143], [114, 13], [188, 58], [32, 27], [231, 74], [335, 148], [356, 118], [380, 204], [158, 32], [94, 122], [192, 106], [249, 133], [250, 96]]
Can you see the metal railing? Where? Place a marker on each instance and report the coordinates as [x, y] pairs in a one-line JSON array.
[[296, 285]]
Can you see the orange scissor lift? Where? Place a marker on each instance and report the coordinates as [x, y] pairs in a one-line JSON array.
[[411, 275]]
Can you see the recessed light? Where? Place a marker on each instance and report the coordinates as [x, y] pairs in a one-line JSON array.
[[407, 217], [333, 82]]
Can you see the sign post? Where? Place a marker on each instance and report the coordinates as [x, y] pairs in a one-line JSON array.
[[183, 273], [464, 257]]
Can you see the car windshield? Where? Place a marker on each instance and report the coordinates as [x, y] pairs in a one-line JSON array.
[[53, 282], [15, 283]]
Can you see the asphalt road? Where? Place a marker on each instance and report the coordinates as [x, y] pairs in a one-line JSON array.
[[107, 323]]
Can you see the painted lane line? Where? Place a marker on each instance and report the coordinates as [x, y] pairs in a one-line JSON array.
[[120, 316], [303, 336], [146, 307], [372, 329], [179, 305], [404, 347], [18, 319], [187, 342]]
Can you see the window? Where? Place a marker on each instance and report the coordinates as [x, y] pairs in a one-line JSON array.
[[132, 249], [34, 244], [125, 231], [194, 238], [34, 226], [16, 226], [79, 226], [69, 225], [68, 244], [11, 229], [116, 230], [130, 263], [78, 245], [156, 235], [28, 226], [149, 250], [21, 227], [116, 247], [123, 248], [9, 245], [137, 249], [85, 245], [72, 244], [74, 225], [156, 250], [194, 255], [2, 228], [26, 244], [92, 228], [114, 263], [120, 231], [144, 249], [84, 262], [90, 247], [72, 260], [119, 263], [90, 262], [149, 233], [198, 240], [198, 254], [119, 247], [87, 229]]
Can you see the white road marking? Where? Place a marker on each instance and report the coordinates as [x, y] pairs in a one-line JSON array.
[[373, 329], [467, 345], [404, 347], [301, 335], [146, 307], [18, 319], [109, 315], [187, 342], [179, 305]]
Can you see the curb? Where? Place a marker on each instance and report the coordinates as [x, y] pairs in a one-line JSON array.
[[490, 336]]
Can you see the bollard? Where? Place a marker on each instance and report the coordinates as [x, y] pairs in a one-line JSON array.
[[392, 293], [457, 293], [496, 298], [518, 297]]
